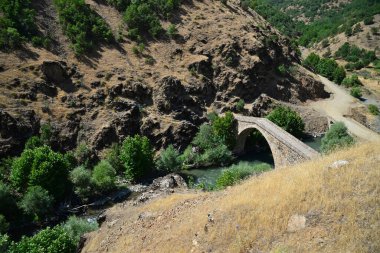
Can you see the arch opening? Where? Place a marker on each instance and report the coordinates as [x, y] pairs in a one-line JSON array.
[[253, 145]]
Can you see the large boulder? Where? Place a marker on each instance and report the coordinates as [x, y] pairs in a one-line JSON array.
[[54, 71]]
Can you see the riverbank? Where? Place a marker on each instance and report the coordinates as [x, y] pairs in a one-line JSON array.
[[330, 204]]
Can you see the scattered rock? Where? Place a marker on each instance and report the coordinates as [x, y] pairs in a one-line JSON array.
[[338, 164], [296, 223]]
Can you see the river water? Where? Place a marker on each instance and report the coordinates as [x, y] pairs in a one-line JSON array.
[[208, 176]]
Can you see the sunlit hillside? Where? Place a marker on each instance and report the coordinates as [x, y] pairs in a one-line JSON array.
[[306, 208]]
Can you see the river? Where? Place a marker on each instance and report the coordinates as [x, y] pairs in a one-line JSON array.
[[208, 176]]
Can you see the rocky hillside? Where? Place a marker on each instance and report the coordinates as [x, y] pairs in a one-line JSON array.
[[163, 89], [327, 205]]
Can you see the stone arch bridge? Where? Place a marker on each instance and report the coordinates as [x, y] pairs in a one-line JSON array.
[[286, 149]]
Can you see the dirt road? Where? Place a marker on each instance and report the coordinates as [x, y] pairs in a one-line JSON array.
[[338, 105]]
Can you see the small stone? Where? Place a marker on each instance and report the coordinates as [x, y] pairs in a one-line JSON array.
[[296, 223], [338, 164]]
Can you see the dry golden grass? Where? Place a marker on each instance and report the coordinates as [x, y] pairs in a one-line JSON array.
[[342, 207]]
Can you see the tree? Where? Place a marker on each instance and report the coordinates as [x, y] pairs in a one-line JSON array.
[[4, 225], [326, 68], [36, 202], [8, 203], [104, 176], [335, 138], [352, 81], [137, 156], [312, 61], [225, 129], [339, 75], [113, 157], [76, 227], [368, 20], [373, 109], [41, 167], [170, 160], [81, 179], [49, 240], [287, 119]]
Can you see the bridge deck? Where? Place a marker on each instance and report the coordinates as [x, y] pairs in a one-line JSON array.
[[280, 134]]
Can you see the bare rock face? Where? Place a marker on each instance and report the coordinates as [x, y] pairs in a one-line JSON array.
[[15, 130], [54, 71]]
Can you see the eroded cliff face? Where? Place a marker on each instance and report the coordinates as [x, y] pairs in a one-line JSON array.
[[220, 55]]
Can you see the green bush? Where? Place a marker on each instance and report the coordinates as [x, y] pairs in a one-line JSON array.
[[335, 138], [373, 109], [49, 240], [240, 105], [17, 23], [339, 74], [356, 92], [143, 16], [282, 69], [4, 225], [113, 157], [103, 176], [369, 20], [238, 172], [36, 202], [225, 128], [352, 81], [357, 58], [76, 227], [8, 202], [172, 30], [137, 156], [170, 160], [4, 242], [81, 179], [43, 167], [82, 154], [120, 5], [287, 119], [218, 155], [83, 26], [33, 142]]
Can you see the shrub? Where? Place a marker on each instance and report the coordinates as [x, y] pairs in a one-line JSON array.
[[205, 138], [49, 240], [8, 203], [240, 105], [339, 74], [352, 81], [218, 155], [225, 129], [4, 242], [356, 92], [373, 109], [41, 166], [4, 225], [76, 227], [82, 154], [335, 138], [81, 179], [33, 142], [238, 172], [104, 176], [312, 61], [137, 156], [82, 25], [36, 202], [369, 20], [282, 69], [287, 119], [172, 30], [120, 5], [169, 160], [113, 157]]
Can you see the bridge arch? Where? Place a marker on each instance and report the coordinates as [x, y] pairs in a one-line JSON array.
[[286, 149]]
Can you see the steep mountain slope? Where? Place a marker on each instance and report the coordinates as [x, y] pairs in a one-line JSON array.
[[311, 207], [162, 89]]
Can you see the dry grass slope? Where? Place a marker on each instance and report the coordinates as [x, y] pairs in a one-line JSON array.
[[341, 206]]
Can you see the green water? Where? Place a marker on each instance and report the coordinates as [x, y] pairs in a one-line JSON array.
[[208, 176]]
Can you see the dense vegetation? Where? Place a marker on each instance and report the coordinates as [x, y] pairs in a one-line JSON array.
[[326, 67], [336, 137], [323, 21], [357, 58], [17, 24], [82, 25], [287, 119]]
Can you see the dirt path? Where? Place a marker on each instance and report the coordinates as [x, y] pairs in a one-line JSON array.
[[338, 106]]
